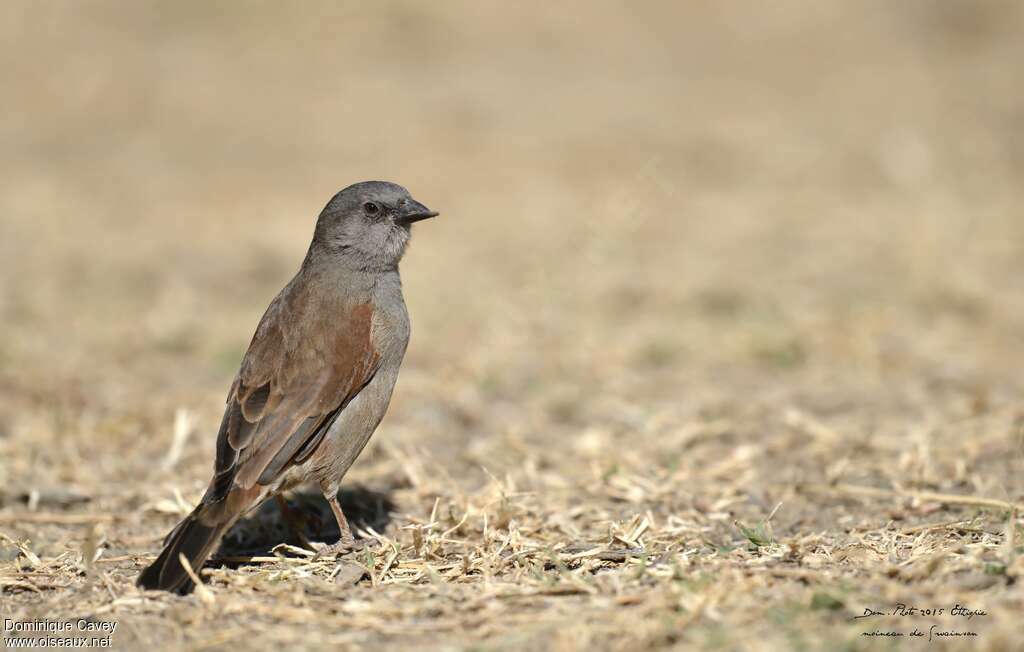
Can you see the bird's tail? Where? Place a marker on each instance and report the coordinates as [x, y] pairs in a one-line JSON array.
[[195, 537]]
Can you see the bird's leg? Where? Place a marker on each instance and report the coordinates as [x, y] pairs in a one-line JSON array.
[[296, 522], [346, 537], [346, 542]]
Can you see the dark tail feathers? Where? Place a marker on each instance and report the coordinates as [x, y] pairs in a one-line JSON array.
[[191, 538]]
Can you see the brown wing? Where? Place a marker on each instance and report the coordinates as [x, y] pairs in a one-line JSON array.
[[310, 356]]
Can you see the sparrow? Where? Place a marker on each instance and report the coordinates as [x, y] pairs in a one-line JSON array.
[[316, 379]]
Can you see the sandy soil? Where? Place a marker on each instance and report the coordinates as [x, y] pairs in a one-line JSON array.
[[716, 344]]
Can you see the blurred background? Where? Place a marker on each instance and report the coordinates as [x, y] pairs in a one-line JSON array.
[[642, 206], [651, 213], [629, 193]]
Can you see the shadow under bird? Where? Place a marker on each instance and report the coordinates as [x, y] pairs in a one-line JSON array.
[[317, 377]]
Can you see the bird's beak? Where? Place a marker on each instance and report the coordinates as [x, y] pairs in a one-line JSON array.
[[414, 212]]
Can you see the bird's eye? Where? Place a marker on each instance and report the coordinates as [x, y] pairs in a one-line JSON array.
[[371, 208]]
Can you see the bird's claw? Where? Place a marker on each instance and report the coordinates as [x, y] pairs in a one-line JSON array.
[[341, 548]]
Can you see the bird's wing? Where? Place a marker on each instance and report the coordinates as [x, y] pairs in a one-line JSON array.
[[308, 359]]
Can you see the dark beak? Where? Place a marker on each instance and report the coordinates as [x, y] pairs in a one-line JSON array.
[[414, 211]]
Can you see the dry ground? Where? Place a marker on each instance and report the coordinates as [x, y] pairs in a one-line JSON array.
[[717, 343]]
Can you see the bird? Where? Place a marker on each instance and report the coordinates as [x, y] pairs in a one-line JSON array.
[[315, 381]]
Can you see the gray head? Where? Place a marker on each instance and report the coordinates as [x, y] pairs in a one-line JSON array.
[[369, 223]]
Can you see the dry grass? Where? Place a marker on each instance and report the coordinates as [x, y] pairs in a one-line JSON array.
[[717, 343]]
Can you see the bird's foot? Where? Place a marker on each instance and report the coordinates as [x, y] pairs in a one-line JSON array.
[[340, 548]]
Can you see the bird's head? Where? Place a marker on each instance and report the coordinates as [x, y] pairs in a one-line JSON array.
[[369, 223]]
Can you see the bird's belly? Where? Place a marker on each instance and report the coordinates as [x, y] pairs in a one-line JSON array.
[[351, 431]]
